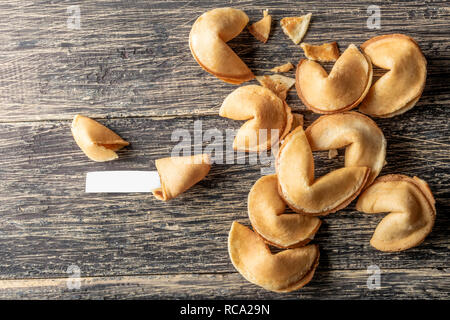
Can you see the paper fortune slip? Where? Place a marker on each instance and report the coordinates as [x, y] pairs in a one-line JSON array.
[[122, 181]]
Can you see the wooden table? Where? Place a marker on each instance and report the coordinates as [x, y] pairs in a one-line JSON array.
[[129, 66]]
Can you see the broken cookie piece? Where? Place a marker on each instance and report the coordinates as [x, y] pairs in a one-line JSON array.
[[178, 174], [96, 141], [283, 68], [261, 29], [278, 84], [332, 153], [326, 52], [296, 27]]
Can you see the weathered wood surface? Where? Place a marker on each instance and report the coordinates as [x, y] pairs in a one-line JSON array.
[[130, 65], [131, 58], [325, 285]]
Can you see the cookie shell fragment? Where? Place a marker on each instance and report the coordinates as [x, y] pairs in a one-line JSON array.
[[295, 27], [283, 68], [326, 52], [278, 84], [261, 29], [208, 43]]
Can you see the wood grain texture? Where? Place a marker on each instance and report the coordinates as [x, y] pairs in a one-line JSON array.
[[49, 223], [130, 67], [400, 283], [131, 58]]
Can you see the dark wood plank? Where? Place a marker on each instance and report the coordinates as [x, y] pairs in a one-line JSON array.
[[49, 223], [398, 283], [131, 58]]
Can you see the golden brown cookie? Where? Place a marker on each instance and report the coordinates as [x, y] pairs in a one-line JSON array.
[[208, 43], [364, 141], [284, 271], [411, 211], [399, 89], [302, 191], [96, 141], [178, 174], [266, 210], [343, 89]]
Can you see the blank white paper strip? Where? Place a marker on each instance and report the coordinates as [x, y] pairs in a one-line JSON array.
[[122, 181]]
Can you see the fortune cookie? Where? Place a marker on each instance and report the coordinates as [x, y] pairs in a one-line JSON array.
[[343, 89], [410, 204], [266, 212], [284, 271], [96, 141], [265, 112], [208, 43], [364, 141], [177, 174], [297, 121], [399, 89], [305, 194]]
